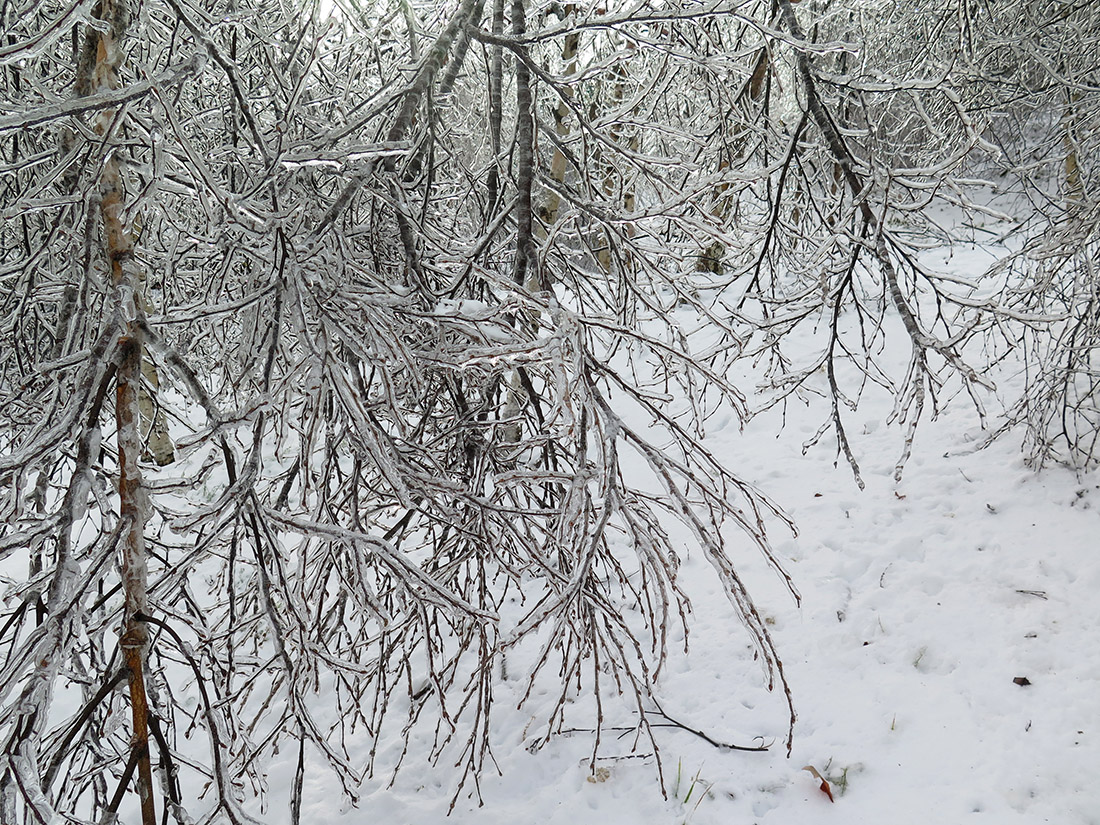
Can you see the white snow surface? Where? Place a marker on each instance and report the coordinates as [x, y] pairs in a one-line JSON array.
[[922, 602]]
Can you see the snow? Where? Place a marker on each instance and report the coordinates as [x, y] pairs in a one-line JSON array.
[[924, 603]]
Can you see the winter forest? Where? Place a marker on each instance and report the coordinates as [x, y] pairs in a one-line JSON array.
[[371, 375]]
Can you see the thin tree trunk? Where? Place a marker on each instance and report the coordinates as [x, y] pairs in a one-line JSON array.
[[135, 638], [524, 273], [550, 209], [613, 184], [154, 424], [496, 112], [106, 47], [750, 96], [1075, 190]]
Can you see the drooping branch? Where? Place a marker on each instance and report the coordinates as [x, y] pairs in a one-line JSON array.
[[911, 402]]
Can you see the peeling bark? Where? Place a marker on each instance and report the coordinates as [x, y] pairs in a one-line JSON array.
[[103, 76]]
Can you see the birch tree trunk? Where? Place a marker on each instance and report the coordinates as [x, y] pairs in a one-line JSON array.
[[1075, 190], [558, 163], [104, 77], [615, 187]]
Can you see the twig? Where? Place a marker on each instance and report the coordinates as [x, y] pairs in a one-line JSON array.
[[706, 737]]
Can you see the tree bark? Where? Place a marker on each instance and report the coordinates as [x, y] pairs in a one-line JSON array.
[[558, 163], [103, 76]]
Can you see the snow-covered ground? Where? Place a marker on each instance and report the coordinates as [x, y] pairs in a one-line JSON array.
[[924, 604], [945, 659]]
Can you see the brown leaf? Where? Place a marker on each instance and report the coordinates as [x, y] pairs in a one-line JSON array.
[[824, 787]]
